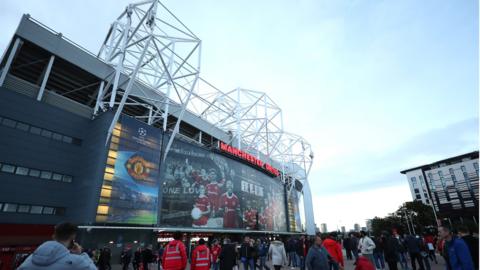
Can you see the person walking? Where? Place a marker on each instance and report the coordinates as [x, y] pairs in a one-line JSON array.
[[317, 256], [456, 249], [137, 259], [61, 253], [413, 246], [354, 245], [147, 258], [126, 258], [228, 256], [175, 255], [391, 251], [215, 251], [335, 251], [430, 244], [366, 246], [472, 243], [104, 259], [347, 245], [378, 253], [277, 253], [201, 257], [402, 251], [301, 251], [246, 254], [262, 254]]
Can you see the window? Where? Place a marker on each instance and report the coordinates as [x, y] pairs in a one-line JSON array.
[[21, 171], [34, 173], [10, 207], [67, 139], [46, 133], [475, 165], [57, 177], [414, 181], [23, 208], [416, 190], [67, 178], [8, 168], [418, 197], [46, 175], [9, 122], [57, 136], [48, 210], [36, 209], [22, 126], [35, 130]]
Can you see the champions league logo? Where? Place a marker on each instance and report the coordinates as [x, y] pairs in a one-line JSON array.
[[137, 168], [142, 132]]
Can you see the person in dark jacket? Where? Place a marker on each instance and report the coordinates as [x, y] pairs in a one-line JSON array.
[[104, 259], [354, 238], [228, 256], [347, 245], [413, 246], [147, 257], [137, 259], [126, 258], [456, 249], [317, 257], [246, 254], [301, 251], [472, 243], [262, 254], [391, 251], [378, 257]]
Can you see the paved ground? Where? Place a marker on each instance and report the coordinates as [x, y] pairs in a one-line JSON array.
[[348, 266]]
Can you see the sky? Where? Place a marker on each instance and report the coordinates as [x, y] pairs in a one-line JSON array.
[[375, 86]]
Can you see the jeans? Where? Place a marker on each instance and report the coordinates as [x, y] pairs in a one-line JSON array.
[[302, 262], [379, 260], [349, 254], [214, 265], [248, 262], [403, 260], [355, 253], [292, 255], [415, 256], [426, 262], [333, 265], [263, 260]]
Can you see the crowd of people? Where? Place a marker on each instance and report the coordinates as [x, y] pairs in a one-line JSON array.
[[321, 252]]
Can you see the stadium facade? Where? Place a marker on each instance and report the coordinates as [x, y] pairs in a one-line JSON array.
[[133, 144]]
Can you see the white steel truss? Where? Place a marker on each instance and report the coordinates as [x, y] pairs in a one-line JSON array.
[[152, 47]]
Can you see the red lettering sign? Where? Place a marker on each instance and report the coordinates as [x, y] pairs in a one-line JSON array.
[[247, 157]]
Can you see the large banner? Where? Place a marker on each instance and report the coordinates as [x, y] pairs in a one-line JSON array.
[[204, 189], [130, 187]]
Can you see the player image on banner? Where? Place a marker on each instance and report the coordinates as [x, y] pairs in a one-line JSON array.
[[230, 206], [201, 209], [225, 193]]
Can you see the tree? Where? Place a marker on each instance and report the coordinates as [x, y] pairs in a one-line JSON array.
[[420, 216], [388, 224]]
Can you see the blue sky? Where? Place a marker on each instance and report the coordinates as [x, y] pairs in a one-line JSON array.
[[375, 86]]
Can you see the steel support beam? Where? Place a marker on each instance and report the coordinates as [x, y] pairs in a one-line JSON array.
[[45, 78], [6, 68]]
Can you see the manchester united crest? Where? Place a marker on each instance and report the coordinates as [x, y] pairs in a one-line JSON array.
[[137, 167]]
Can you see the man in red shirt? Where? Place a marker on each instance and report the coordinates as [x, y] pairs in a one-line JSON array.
[[215, 251], [201, 257], [250, 217], [213, 190], [174, 256], [230, 205], [203, 204]]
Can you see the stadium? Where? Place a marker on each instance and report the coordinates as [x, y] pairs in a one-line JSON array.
[[133, 144]]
